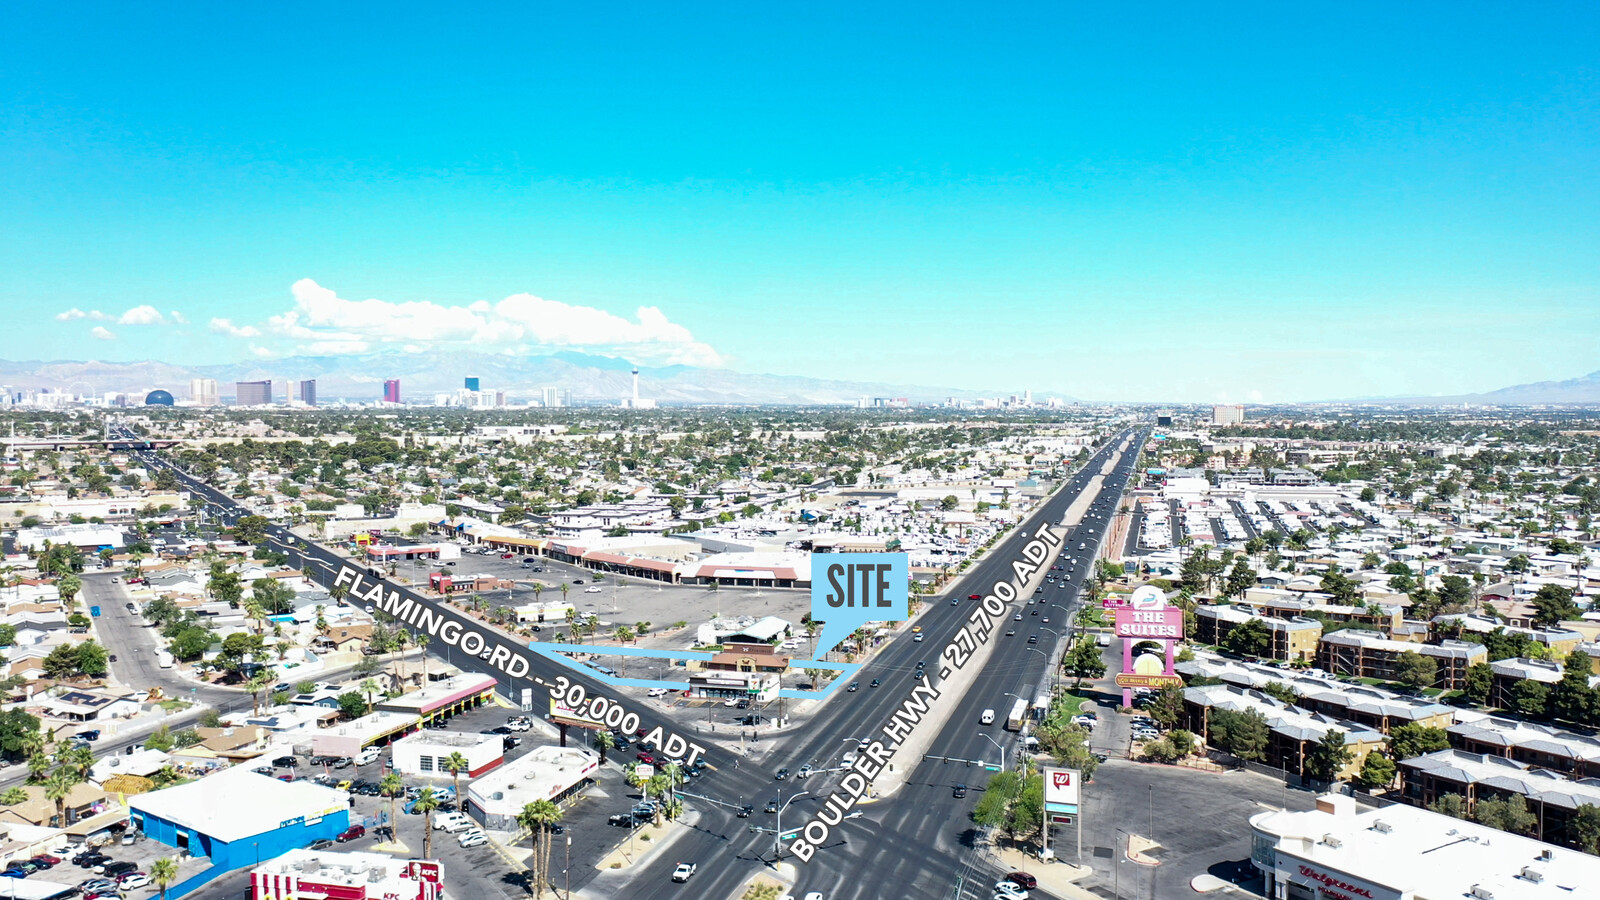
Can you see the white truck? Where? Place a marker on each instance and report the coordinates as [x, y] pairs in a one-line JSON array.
[[163, 659]]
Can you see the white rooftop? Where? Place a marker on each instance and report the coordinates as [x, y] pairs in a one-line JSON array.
[[1424, 855], [239, 802]]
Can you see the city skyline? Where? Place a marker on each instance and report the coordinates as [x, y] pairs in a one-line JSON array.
[[1263, 218]]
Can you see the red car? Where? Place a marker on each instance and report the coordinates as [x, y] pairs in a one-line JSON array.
[[351, 833], [507, 555], [1023, 880], [47, 861], [974, 596], [646, 758]]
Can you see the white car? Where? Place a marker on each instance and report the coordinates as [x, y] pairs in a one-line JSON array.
[[1007, 890], [656, 692], [472, 837], [591, 590], [136, 880], [682, 872]]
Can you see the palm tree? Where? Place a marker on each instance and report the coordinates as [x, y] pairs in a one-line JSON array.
[[604, 741], [255, 612], [163, 872], [572, 625], [658, 787], [58, 787], [68, 587], [78, 759], [630, 774], [260, 681], [538, 817], [426, 803], [322, 622], [401, 638], [624, 634], [392, 786], [369, 687], [455, 764], [565, 589], [337, 593], [422, 641]]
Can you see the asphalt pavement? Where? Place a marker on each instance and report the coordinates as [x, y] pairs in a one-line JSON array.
[[920, 840]]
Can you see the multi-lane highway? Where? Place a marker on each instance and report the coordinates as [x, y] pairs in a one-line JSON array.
[[920, 839]]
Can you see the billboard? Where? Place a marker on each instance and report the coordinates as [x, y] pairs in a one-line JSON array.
[[1165, 624], [1061, 790], [562, 714]]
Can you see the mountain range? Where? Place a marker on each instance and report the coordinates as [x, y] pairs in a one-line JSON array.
[[585, 377]]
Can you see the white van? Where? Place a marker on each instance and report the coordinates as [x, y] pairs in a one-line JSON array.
[[987, 718], [452, 823], [368, 755]]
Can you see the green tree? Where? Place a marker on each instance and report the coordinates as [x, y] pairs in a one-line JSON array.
[[392, 786], [1453, 805], [1377, 771], [1410, 740], [163, 872], [1479, 683], [1530, 698], [1166, 706], [1281, 691], [1415, 671], [57, 788], [1572, 699], [12, 796], [19, 731], [426, 803], [160, 739], [1584, 827], [539, 817], [604, 741], [1553, 604], [69, 585], [353, 705], [1244, 734], [1328, 756], [1084, 661], [1249, 638], [455, 764], [1507, 814]]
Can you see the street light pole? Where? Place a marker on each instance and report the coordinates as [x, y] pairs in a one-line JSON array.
[[997, 747], [777, 845]]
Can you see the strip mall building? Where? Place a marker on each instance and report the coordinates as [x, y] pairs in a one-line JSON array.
[[1335, 852]]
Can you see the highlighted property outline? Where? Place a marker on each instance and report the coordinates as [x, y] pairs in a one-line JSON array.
[[559, 653]]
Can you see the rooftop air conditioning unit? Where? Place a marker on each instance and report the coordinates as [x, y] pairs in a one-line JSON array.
[[1382, 827], [1529, 873], [1479, 892], [1546, 855], [1332, 841]]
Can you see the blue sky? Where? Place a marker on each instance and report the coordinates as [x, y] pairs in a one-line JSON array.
[[1169, 202]]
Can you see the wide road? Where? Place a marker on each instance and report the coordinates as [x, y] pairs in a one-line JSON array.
[[920, 840]]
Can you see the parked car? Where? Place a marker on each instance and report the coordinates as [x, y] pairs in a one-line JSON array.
[[286, 762], [120, 867], [133, 880], [1023, 880], [323, 844], [351, 833], [472, 837]]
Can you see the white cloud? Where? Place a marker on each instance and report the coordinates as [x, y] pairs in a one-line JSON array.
[[101, 333], [142, 315], [178, 317], [226, 326], [260, 351], [69, 315], [324, 323]]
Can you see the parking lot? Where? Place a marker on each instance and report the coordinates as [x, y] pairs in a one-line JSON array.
[[484, 871], [614, 600]]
